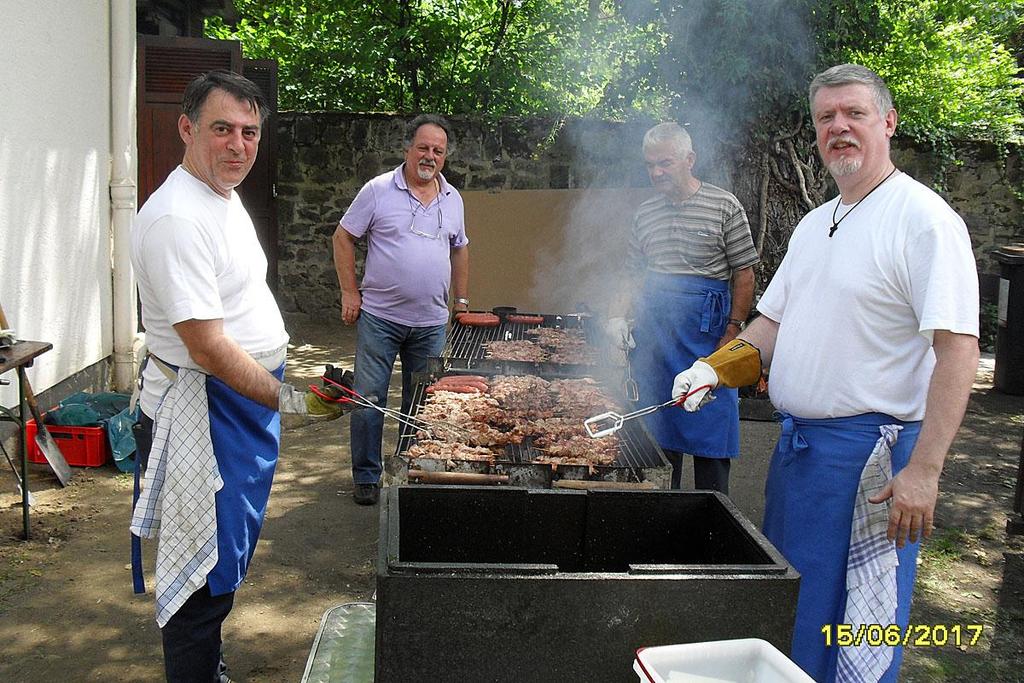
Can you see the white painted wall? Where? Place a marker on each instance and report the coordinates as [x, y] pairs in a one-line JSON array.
[[55, 271]]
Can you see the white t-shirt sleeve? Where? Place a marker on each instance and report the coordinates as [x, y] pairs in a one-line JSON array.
[[943, 278], [180, 260], [772, 303]]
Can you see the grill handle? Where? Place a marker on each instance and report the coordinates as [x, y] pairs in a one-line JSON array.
[[467, 478], [587, 485]]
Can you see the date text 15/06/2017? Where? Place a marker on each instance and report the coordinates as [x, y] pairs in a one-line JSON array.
[[892, 635]]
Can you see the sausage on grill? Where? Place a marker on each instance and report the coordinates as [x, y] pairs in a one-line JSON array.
[[463, 384], [455, 389], [477, 319], [460, 381], [456, 379], [526, 319]]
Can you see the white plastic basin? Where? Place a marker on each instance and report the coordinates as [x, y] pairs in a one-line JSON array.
[[748, 660]]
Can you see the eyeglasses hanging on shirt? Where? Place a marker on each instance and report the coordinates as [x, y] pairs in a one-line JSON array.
[[415, 207], [425, 214]]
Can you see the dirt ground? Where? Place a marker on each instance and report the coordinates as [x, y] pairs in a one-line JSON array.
[[67, 611]]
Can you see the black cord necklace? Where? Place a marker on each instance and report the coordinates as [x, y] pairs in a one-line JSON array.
[[835, 223]]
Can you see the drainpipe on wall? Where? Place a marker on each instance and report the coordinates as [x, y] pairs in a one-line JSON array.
[[123, 194]]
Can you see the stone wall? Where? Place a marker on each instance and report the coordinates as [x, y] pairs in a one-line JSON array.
[[324, 158]]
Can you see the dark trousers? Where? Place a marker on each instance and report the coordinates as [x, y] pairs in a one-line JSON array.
[[192, 639], [709, 474], [142, 430]]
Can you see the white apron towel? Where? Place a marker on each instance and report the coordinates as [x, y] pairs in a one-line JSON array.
[[870, 570], [178, 500]]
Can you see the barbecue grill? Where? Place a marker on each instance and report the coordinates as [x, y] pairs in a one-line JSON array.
[[640, 463], [494, 583], [466, 347]]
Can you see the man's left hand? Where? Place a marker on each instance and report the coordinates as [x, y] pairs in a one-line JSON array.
[[730, 333], [913, 492]]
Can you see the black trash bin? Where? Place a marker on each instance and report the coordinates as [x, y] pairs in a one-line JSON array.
[[1009, 371]]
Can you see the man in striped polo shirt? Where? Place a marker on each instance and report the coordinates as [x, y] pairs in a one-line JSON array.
[[689, 243]]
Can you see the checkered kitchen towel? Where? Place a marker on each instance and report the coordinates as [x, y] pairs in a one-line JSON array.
[[870, 568], [178, 504]]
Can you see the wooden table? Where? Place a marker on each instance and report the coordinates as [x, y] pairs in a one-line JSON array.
[[18, 357]]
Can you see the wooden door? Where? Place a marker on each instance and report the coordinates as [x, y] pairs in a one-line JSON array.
[[259, 189], [166, 65]]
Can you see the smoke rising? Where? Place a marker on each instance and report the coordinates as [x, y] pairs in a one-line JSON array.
[[724, 64]]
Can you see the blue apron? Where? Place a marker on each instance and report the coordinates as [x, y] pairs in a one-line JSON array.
[[246, 438], [680, 318], [809, 499]]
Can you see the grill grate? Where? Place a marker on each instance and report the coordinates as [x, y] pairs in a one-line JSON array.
[[466, 348], [637, 451]]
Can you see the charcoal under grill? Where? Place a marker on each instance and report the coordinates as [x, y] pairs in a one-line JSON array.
[[466, 348], [639, 461]]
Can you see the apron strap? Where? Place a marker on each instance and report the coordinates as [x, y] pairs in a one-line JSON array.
[[713, 315], [138, 579], [138, 582]]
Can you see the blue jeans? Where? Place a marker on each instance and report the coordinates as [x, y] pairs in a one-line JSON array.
[[378, 342]]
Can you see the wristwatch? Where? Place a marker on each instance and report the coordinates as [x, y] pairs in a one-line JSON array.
[[738, 323], [461, 300]]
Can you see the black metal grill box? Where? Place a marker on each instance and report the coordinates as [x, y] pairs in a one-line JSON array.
[[486, 583]]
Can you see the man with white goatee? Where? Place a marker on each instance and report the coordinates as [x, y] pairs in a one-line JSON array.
[[870, 329], [417, 262]]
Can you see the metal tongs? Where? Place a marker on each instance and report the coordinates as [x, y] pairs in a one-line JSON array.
[[349, 395], [629, 385], [611, 422]]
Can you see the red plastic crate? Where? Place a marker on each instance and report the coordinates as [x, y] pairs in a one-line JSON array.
[[81, 446]]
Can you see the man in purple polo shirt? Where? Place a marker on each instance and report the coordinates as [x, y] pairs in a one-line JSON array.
[[417, 256]]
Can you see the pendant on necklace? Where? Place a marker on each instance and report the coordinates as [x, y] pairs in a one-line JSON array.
[[835, 223]]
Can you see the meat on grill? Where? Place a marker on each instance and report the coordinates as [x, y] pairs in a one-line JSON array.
[[581, 398], [516, 408], [565, 345], [523, 397], [449, 450], [520, 350], [552, 345], [579, 450]]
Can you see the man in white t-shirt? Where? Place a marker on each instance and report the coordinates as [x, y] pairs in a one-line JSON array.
[[212, 394], [870, 327]]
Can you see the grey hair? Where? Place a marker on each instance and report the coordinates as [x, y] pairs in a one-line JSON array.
[[671, 133], [853, 74], [428, 119]]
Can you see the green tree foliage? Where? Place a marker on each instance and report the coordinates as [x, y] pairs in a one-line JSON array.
[[950, 70], [741, 65], [496, 57], [950, 63]]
